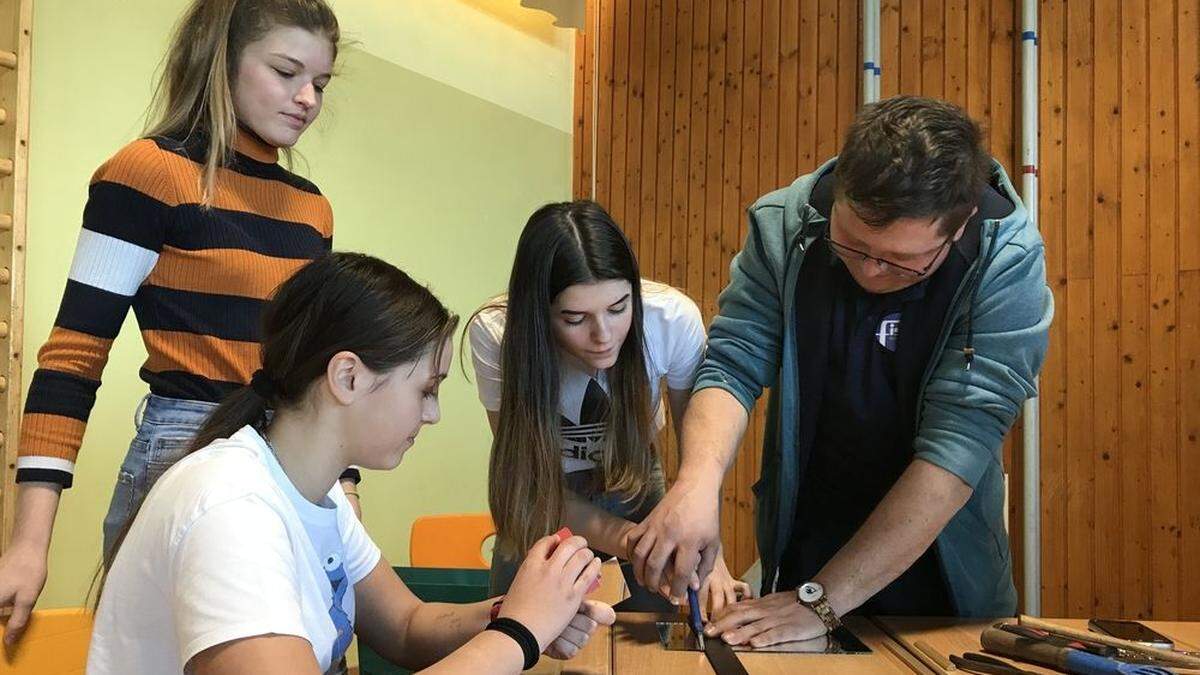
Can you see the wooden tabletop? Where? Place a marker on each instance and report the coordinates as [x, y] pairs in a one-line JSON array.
[[954, 636], [632, 646]]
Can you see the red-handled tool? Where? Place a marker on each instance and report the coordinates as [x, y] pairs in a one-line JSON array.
[[562, 535]]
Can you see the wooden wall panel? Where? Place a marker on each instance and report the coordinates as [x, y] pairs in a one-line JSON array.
[[1188, 141], [1163, 225], [635, 118], [1119, 86], [666, 158], [646, 186], [736, 98], [1053, 394], [1189, 431], [1077, 205], [1106, 307], [16, 26], [1188, 145], [1135, 470]]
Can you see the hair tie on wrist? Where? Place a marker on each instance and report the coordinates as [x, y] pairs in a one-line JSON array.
[[521, 635], [263, 385]]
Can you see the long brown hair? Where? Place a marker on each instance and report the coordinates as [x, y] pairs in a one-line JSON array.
[[562, 245], [339, 302], [194, 94]]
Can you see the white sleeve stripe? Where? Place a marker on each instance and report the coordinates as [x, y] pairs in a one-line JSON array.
[[35, 462], [111, 264]]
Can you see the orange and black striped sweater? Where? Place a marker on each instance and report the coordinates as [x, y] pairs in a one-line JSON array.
[[195, 277]]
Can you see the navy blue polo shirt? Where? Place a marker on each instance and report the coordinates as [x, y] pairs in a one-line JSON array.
[[861, 442]]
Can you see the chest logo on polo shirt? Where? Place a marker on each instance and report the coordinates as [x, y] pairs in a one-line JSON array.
[[888, 332], [583, 440]]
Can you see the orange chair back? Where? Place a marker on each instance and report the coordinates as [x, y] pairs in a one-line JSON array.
[[55, 643], [450, 540]]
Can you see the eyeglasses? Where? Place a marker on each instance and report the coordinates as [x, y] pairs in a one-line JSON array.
[[848, 254]]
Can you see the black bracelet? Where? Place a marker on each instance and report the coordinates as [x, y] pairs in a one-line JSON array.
[[521, 635]]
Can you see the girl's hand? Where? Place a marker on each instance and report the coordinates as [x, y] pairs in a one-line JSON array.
[[721, 589], [22, 576], [592, 613], [550, 586]]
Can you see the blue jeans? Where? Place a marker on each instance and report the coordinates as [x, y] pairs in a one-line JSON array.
[[165, 429]]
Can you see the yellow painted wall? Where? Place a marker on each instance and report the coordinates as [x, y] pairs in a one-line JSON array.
[[494, 49], [435, 175]]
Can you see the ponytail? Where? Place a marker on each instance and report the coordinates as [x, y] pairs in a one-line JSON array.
[[340, 302], [245, 406]]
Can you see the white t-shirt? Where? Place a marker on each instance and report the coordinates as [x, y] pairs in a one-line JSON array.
[[673, 332], [225, 547]]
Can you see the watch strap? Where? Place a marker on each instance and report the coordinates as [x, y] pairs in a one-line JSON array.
[[821, 607], [825, 613]]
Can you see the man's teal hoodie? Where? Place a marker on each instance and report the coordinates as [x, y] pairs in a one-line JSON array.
[[983, 367]]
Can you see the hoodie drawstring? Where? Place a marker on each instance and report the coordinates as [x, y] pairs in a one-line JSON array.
[[969, 349]]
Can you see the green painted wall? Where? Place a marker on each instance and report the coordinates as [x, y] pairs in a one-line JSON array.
[[425, 175]]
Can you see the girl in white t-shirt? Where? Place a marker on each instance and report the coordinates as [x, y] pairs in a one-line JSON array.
[[569, 366], [246, 555]]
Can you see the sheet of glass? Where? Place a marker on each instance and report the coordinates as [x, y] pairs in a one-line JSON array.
[[678, 636]]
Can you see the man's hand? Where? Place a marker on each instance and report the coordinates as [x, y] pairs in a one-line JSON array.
[[765, 621], [678, 543]]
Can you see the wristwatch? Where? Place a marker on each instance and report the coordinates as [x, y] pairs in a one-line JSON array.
[[812, 595]]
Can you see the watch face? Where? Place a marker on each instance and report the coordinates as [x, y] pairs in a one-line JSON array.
[[811, 592]]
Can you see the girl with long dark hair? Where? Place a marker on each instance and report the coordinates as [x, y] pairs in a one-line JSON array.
[[569, 365], [246, 556], [191, 226]]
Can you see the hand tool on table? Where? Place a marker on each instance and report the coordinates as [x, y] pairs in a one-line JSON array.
[[720, 655], [973, 662], [694, 619], [1067, 659], [1059, 640], [1160, 656], [1096, 648]]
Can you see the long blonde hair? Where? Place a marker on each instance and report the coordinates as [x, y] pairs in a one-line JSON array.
[[194, 94]]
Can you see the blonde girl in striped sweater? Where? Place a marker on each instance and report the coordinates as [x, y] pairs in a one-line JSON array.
[[191, 226]]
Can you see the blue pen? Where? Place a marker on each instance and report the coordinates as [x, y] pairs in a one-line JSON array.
[[694, 612]]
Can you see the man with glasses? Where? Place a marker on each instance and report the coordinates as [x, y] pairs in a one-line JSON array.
[[895, 303]]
